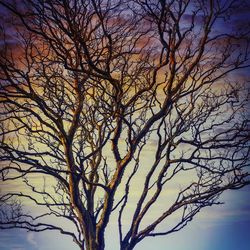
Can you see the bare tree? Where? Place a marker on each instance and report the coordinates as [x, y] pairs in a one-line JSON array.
[[90, 88]]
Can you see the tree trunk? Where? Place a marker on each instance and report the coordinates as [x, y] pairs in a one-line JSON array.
[[91, 244], [127, 247]]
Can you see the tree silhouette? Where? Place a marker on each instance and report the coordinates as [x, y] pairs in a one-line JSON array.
[[107, 107]]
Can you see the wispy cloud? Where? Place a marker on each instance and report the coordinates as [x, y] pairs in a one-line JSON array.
[[31, 239]]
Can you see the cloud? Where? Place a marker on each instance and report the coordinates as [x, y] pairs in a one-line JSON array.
[[31, 239]]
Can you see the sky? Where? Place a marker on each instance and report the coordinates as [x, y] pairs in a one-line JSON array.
[[223, 227]]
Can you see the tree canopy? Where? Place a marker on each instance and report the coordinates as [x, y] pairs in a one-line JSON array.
[[126, 109]]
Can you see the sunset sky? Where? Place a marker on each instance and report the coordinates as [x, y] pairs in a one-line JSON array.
[[222, 227]]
